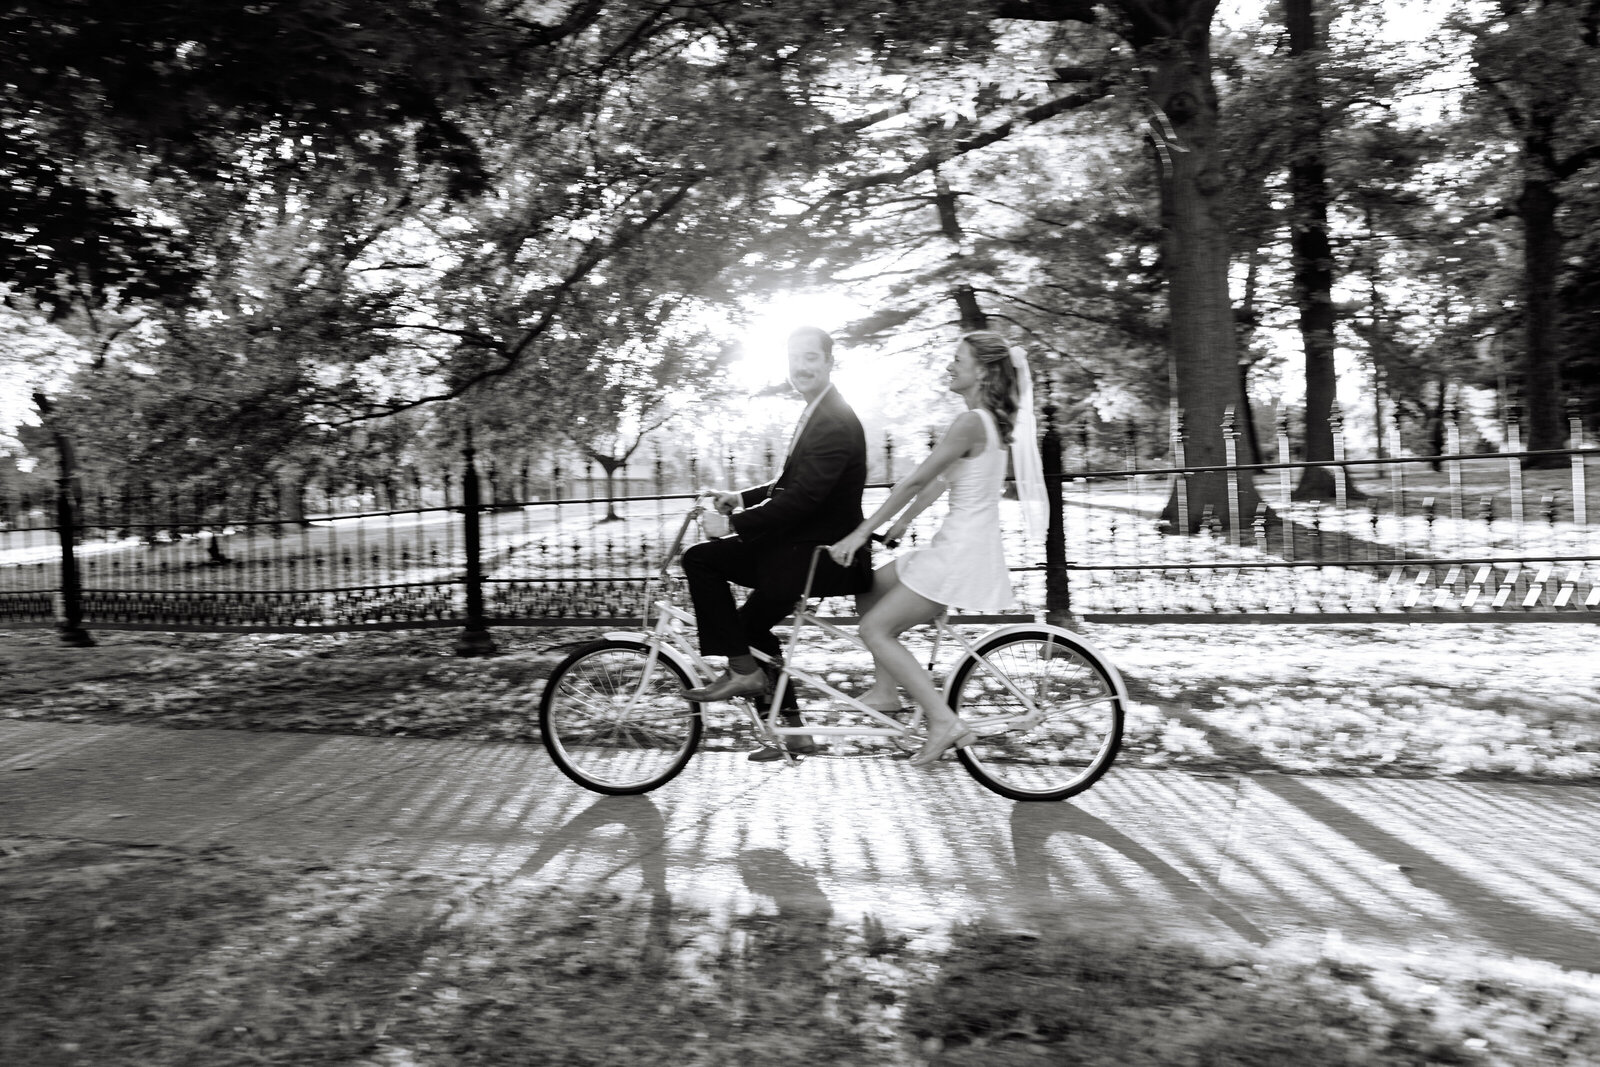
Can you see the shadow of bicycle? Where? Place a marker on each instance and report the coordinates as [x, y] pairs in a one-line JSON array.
[[1038, 830]]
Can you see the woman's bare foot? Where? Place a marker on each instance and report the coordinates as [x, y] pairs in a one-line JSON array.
[[957, 735]]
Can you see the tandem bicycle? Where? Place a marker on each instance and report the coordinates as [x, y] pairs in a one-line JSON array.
[[1046, 706]]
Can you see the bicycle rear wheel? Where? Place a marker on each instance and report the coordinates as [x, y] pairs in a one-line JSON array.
[[1062, 739], [614, 727]]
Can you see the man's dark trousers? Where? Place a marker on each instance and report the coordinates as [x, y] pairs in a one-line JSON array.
[[775, 576]]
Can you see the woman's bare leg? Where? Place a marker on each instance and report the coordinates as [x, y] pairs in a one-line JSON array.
[[896, 610], [883, 694]]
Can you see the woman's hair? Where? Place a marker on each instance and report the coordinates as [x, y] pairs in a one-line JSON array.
[[1000, 388]]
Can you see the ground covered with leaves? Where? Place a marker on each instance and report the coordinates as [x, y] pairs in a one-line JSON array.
[[163, 956], [1490, 700], [116, 954]]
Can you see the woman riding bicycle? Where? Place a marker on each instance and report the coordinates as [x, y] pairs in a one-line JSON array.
[[964, 566]]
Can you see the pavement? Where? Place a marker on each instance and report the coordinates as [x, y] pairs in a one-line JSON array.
[[1373, 864]]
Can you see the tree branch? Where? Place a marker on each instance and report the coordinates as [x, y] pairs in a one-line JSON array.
[[1148, 25], [1517, 120], [1047, 10], [1566, 168], [1134, 330], [476, 338], [931, 159], [1041, 339]]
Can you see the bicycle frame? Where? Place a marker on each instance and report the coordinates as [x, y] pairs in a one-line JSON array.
[[614, 718], [891, 727], [671, 629]]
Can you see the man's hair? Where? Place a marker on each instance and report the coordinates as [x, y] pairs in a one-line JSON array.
[[820, 334]]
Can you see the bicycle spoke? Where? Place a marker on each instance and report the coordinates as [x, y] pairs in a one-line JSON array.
[[1055, 718], [615, 719]]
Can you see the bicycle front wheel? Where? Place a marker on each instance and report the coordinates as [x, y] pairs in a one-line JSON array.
[[616, 722], [1047, 715]]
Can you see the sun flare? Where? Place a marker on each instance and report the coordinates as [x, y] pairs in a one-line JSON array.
[[771, 322]]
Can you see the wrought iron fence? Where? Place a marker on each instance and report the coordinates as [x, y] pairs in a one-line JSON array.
[[1455, 537], [468, 553]]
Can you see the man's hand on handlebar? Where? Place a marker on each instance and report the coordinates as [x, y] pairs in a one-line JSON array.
[[725, 502]]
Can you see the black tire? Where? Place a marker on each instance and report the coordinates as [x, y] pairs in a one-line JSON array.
[[1067, 744], [604, 739]]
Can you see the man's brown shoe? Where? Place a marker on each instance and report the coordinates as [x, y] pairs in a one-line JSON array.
[[731, 684]]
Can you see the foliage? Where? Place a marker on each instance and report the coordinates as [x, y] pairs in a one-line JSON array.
[[537, 221], [115, 114], [1536, 76]]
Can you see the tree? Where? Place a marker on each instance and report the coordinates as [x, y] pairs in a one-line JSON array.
[[1313, 265], [1537, 67], [1172, 39], [106, 102], [1034, 233], [184, 188], [515, 201]]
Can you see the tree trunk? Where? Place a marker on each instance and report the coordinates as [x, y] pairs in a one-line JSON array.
[[610, 465], [1312, 254], [1541, 390], [294, 503], [1247, 414], [944, 200], [1436, 419], [972, 316], [1201, 340]]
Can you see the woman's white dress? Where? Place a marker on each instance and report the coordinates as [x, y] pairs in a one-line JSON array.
[[964, 566]]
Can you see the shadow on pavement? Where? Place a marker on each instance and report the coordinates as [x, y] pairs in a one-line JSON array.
[[1034, 824], [1516, 929]]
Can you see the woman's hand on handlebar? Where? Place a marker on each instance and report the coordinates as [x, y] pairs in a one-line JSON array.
[[844, 550]]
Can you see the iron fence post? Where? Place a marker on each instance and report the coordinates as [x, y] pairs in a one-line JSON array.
[[1513, 446], [475, 639], [1580, 503], [1230, 448], [1181, 488], [1057, 592], [1452, 445], [1285, 488], [70, 627], [1341, 484]]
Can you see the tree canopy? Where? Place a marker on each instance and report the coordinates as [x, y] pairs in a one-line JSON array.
[[258, 229]]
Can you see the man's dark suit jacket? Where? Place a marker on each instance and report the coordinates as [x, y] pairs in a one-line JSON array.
[[815, 500]]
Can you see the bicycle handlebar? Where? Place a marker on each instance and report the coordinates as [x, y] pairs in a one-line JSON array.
[[816, 554]]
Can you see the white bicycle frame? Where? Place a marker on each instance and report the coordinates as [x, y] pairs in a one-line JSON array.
[[670, 637]]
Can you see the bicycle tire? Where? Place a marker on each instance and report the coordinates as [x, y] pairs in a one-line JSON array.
[[1063, 749], [613, 730]]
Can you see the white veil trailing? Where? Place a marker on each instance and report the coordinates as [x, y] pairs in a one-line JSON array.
[[1026, 465]]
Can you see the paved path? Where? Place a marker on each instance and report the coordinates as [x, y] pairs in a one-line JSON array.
[[1396, 865]]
